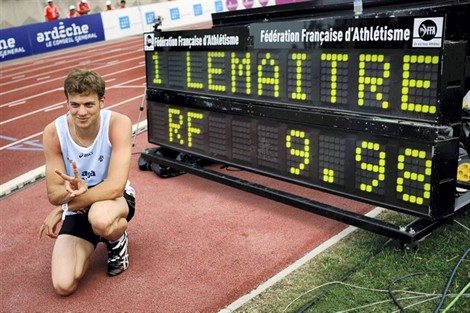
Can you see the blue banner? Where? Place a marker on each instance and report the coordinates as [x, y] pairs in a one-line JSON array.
[[14, 43], [66, 33]]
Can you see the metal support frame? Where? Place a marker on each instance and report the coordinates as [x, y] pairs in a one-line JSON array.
[[414, 231]]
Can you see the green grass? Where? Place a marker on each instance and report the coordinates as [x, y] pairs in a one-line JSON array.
[[430, 264]]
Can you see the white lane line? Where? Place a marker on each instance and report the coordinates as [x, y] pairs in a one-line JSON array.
[[43, 78], [120, 103], [3, 137], [14, 104], [64, 68], [38, 173], [32, 112], [19, 141], [37, 134], [69, 56], [105, 57], [17, 77], [62, 103], [60, 89], [121, 71], [294, 266], [130, 86], [54, 108], [110, 80], [61, 78], [141, 77], [30, 97]]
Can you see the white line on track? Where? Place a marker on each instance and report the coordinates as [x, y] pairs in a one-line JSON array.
[[110, 80], [17, 77], [30, 97], [67, 67], [142, 77], [14, 104], [68, 55], [61, 78], [121, 71], [294, 266], [53, 108], [43, 78], [40, 133], [48, 108], [20, 141], [58, 70], [129, 86]]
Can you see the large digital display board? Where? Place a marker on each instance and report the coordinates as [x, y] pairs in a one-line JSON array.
[[381, 67], [383, 169], [358, 107]]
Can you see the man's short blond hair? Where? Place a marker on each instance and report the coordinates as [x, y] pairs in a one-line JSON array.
[[84, 82]]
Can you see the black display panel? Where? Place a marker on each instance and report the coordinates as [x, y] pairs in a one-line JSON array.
[[390, 67], [401, 174]]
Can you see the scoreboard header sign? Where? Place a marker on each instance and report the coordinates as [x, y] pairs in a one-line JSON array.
[[336, 104], [355, 33], [233, 38], [386, 67], [385, 33]]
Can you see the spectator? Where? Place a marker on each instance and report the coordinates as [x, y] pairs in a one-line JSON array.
[[122, 4], [51, 11], [72, 12], [83, 7], [109, 5]]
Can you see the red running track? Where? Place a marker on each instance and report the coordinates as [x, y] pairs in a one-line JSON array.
[[195, 245]]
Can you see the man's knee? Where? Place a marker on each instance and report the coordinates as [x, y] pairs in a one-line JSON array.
[[64, 287], [102, 226], [107, 216]]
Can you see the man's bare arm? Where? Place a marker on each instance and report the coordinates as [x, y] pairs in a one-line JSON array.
[[56, 191]]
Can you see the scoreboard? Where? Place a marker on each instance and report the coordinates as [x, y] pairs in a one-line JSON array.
[[364, 66], [364, 108]]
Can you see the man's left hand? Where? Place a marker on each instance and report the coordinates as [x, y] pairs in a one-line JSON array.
[[49, 226]]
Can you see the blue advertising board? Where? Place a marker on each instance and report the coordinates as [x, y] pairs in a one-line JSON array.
[[14, 43], [66, 33]]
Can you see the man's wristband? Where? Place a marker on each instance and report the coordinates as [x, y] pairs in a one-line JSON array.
[[65, 209]]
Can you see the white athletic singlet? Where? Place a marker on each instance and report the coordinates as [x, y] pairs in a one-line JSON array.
[[92, 161]]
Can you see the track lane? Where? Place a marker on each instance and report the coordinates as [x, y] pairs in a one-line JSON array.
[[35, 87], [13, 68], [55, 95], [39, 74]]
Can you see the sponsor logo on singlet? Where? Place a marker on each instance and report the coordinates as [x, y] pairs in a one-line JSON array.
[[85, 155]]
